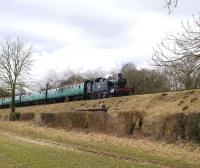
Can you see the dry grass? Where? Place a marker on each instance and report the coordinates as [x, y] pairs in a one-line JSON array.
[[172, 127], [162, 112], [130, 122], [151, 104], [26, 116], [75, 120], [4, 117]]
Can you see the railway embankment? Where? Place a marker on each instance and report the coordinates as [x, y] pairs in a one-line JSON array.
[[170, 116]]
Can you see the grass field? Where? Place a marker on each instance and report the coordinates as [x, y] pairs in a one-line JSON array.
[[27, 145], [16, 153]]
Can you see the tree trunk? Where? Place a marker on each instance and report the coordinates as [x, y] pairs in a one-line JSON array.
[[12, 114], [188, 82]]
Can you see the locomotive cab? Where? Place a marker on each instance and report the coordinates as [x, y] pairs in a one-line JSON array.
[[119, 86]]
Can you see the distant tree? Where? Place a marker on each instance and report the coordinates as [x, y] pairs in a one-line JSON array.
[[15, 64], [129, 71], [152, 81], [144, 80]]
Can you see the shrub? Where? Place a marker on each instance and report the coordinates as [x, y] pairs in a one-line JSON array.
[[130, 121], [26, 116], [176, 127], [82, 120]]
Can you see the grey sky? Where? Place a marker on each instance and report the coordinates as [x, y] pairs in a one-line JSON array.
[[84, 35]]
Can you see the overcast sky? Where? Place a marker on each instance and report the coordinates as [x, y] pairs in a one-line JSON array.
[[89, 34]]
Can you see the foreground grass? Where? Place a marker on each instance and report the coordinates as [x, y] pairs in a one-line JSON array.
[[15, 153], [154, 154]]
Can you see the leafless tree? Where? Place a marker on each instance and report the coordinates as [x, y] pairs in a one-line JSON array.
[[179, 55], [144, 80], [170, 4], [190, 38], [15, 64], [183, 71], [130, 73]]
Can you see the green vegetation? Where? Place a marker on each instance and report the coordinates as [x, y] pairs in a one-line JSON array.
[[96, 149], [18, 154]]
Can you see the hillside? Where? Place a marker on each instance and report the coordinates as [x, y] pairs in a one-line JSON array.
[[152, 104]]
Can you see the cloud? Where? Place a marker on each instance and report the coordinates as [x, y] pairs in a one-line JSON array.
[[104, 26], [84, 35]]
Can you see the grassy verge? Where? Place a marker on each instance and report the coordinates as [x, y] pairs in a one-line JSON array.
[[154, 154], [18, 154]]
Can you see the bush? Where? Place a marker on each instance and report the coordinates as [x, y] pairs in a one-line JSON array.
[[83, 120], [26, 116], [130, 121], [47, 118], [175, 127], [17, 115]]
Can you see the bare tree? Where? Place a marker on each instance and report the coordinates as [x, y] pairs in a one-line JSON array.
[[170, 4], [184, 70], [179, 55], [15, 64], [190, 38], [144, 80], [130, 73]]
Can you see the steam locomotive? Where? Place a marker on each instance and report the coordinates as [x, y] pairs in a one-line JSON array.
[[90, 89]]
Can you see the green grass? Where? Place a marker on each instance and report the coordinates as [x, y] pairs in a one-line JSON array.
[[137, 153], [14, 153]]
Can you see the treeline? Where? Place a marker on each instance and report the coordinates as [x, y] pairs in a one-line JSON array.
[[140, 80], [145, 80]]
